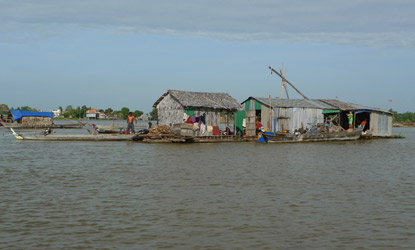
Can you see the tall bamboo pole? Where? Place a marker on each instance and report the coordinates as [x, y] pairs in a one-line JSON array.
[[276, 72]]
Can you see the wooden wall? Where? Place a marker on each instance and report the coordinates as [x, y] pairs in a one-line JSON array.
[[169, 111]]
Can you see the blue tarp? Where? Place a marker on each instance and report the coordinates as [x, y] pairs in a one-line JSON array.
[[19, 114]]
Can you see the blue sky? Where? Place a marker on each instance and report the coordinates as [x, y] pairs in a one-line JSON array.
[[127, 53]]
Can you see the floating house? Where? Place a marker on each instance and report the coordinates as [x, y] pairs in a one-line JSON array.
[[176, 107], [289, 115], [377, 121], [277, 114]]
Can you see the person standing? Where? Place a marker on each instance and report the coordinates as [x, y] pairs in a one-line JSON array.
[[130, 123], [350, 116]]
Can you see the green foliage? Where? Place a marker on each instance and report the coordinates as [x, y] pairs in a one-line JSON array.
[[406, 117], [26, 108], [4, 107], [137, 113], [124, 112], [154, 114], [108, 111]]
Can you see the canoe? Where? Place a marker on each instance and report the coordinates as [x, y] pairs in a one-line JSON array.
[[308, 137], [74, 137], [54, 126]]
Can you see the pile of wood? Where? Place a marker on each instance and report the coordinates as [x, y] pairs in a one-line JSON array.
[[162, 129], [33, 122]]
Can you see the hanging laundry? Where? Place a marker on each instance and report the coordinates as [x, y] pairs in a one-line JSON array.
[[203, 129], [185, 117]]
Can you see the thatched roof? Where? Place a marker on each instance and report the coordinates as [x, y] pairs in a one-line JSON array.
[[202, 100]]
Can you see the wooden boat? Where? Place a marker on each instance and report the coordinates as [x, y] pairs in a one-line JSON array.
[[266, 136], [54, 126], [74, 137]]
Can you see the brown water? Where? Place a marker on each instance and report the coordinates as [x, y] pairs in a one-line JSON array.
[[127, 195]]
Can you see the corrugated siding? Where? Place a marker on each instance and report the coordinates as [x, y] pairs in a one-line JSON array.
[[380, 124], [265, 117], [304, 117], [169, 111], [295, 118], [250, 123]]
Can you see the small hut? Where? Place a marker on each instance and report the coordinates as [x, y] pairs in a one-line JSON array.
[[201, 109], [377, 121], [31, 119], [278, 114]]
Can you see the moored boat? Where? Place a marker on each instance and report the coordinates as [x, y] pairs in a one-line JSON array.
[[74, 137], [266, 136]]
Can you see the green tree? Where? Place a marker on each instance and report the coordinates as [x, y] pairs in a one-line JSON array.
[[137, 113], [69, 108], [82, 112], [124, 112], [4, 107], [154, 114], [108, 111], [27, 108]]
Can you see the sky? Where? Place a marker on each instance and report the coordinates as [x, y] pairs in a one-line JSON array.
[[127, 53]]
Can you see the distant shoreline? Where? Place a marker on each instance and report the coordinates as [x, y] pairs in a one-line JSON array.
[[404, 125]]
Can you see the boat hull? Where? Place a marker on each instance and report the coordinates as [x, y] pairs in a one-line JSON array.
[[54, 126], [338, 136], [91, 137]]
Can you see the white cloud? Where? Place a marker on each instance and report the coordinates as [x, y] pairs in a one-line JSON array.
[[379, 23]]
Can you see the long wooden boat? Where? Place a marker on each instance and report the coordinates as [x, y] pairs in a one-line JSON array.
[[265, 137], [74, 137], [54, 126]]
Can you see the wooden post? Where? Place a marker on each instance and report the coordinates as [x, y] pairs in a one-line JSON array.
[[276, 72], [270, 113]]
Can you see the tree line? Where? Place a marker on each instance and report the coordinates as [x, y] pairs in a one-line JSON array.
[[407, 117], [80, 112]]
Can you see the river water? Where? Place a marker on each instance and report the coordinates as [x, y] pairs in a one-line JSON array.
[[129, 195]]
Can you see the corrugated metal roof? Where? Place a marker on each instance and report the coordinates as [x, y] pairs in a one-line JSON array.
[[344, 106], [292, 103], [202, 100], [315, 103]]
